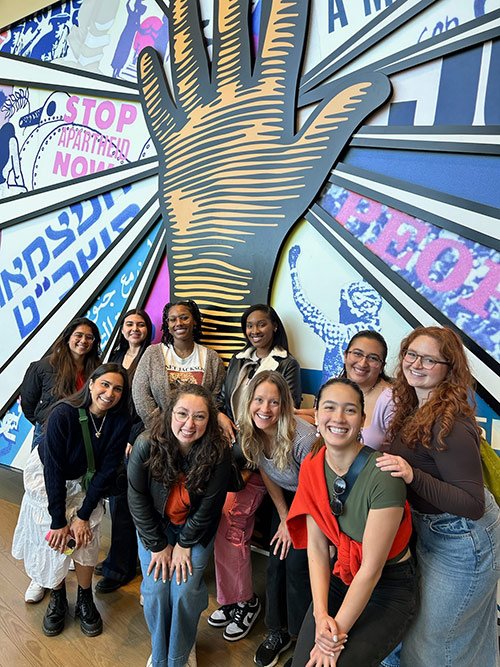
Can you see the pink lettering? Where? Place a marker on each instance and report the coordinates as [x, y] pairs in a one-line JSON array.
[[349, 209], [71, 108], [89, 104], [62, 138], [488, 289], [79, 166], [390, 234], [61, 163], [105, 115], [128, 113], [457, 275]]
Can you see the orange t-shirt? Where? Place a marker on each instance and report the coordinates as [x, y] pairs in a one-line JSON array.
[[178, 502]]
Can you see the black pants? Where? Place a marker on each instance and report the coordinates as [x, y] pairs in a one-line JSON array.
[[288, 591], [381, 625], [121, 561]]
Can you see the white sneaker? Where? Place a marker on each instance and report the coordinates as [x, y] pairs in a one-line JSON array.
[[71, 566], [141, 602], [192, 658], [150, 661], [34, 593]]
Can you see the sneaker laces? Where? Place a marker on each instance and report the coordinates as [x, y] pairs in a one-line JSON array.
[[239, 612], [273, 639]]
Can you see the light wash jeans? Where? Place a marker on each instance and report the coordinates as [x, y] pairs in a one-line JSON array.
[[37, 435], [459, 562], [172, 611]]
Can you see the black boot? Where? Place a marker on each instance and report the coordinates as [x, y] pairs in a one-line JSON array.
[[53, 621], [90, 618]]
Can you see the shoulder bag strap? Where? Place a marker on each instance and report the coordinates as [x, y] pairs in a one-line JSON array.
[[84, 423], [356, 467]]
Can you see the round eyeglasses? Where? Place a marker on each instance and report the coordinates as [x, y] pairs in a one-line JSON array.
[[371, 359], [427, 362], [182, 416]]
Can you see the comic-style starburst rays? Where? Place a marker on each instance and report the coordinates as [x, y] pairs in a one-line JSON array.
[[376, 46]]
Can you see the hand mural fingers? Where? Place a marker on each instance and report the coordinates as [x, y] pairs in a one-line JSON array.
[[230, 65]]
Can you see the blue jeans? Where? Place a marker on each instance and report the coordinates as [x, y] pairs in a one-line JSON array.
[[459, 562], [172, 611]]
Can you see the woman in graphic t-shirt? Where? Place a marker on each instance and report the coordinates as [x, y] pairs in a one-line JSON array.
[[178, 359]]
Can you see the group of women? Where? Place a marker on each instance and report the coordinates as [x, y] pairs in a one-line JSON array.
[[345, 576]]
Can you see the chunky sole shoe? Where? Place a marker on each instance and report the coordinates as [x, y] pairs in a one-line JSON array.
[[269, 651], [107, 585], [34, 593], [222, 616], [55, 616]]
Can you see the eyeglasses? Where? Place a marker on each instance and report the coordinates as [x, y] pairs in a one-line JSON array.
[[182, 416], [79, 335], [372, 359], [339, 487], [427, 362]]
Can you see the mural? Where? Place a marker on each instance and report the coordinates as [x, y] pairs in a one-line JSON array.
[[338, 158]]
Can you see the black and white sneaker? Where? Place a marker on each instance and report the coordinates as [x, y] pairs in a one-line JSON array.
[[223, 615], [268, 652], [244, 617]]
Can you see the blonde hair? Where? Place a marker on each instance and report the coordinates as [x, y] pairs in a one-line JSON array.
[[252, 439]]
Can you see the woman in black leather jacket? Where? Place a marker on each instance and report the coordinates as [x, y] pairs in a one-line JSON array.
[[178, 476]]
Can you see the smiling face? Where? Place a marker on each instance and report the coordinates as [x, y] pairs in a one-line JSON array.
[[364, 361], [81, 341], [260, 332], [105, 391], [180, 324], [424, 380], [339, 416], [189, 420], [134, 329], [265, 408]]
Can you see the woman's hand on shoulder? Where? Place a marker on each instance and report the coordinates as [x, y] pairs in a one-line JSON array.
[[160, 563], [181, 563], [397, 466], [80, 530], [227, 426]]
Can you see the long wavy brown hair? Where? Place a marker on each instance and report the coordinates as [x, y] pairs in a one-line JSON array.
[[165, 456], [451, 399], [62, 361]]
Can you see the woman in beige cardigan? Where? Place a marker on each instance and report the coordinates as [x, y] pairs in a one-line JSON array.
[[179, 358]]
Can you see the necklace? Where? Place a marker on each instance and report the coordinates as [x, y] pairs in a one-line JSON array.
[[365, 393], [97, 430]]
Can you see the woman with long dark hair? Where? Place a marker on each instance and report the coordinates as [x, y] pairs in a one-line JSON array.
[[75, 355], [435, 450], [120, 565], [276, 442], [361, 609], [178, 359], [63, 502], [266, 349], [178, 476]]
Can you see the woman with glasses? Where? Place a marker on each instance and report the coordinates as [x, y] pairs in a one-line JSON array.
[[75, 355], [435, 450], [178, 476], [120, 565], [361, 610], [178, 359], [364, 363]]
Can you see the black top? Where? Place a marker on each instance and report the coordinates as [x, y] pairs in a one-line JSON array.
[[137, 423], [36, 390], [450, 480], [62, 452], [147, 499]]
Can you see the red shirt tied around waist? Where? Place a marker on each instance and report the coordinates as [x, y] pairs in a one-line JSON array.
[[360, 611]]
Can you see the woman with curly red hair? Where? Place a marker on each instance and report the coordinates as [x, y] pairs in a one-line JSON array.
[[435, 450]]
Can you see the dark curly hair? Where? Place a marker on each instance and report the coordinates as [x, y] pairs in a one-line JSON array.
[[452, 399], [165, 456], [167, 337], [63, 363]]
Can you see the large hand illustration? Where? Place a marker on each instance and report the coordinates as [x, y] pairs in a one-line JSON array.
[[234, 172]]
